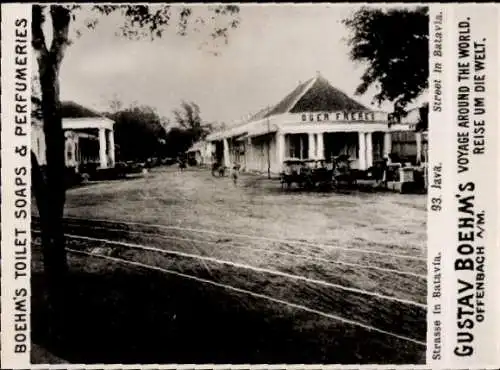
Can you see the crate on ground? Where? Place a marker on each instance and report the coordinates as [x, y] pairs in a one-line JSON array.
[[405, 179]]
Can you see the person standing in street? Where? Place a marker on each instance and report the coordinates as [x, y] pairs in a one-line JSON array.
[[182, 163], [235, 171]]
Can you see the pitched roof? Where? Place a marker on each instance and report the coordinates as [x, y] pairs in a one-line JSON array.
[[197, 146], [260, 114], [314, 95], [322, 96], [71, 109], [290, 100]]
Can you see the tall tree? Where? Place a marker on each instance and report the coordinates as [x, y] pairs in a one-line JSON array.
[[394, 44], [178, 141], [189, 119], [139, 132], [138, 21]]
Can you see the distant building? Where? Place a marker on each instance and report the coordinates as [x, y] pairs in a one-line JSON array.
[[89, 137], [412, 144], [201, 152], [314, 121]]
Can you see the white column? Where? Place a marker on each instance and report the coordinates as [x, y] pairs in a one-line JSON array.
[[311, 146], [315, 146], [321, 146], [280, 149], [288, 146], [369, 150], [362, 150], [103, 160], [111, 149], [387, 144], [251, 155], [418, 138], [225, 158]]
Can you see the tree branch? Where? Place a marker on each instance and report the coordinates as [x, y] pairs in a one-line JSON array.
[[61, 18]]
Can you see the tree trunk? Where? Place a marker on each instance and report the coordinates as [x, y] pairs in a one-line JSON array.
[[51, 193], [40, 192], [54, 253]]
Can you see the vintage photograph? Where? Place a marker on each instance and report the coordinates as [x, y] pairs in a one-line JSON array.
[[229, 184]]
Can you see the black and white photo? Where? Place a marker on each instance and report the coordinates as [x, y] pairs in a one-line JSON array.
[[309, 246], [215, 184]]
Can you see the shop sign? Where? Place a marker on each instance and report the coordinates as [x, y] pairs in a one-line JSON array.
[[338, 116]]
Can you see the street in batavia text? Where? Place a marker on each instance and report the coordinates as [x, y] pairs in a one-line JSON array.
[[435, 187], [437, 104]]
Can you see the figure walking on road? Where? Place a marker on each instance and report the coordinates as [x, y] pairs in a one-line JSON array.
[[182, 164], [235, 172]]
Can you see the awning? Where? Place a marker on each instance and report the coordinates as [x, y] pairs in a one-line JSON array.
[[250, 129], [196, 147], [241, 137], [262, 130]]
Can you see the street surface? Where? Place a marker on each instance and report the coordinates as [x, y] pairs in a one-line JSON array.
[[283, 276]]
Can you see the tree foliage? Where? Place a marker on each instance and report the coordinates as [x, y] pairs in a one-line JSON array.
[[178, 141], [189, 119], [393, 43], [139, 132]]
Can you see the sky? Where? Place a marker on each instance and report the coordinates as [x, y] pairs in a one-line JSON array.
[[268, 55]]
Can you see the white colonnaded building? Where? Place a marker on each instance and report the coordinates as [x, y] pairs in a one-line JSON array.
[[314, 121], [89, 137]]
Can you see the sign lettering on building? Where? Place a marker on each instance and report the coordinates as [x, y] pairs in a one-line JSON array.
[[338, 116]]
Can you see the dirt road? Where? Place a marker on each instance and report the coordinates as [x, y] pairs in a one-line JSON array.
[[347, 269]]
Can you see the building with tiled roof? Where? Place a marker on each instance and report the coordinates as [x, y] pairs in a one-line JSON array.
[[314, 121]]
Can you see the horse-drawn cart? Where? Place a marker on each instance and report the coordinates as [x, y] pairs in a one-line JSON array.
[[343, 174], [292, 173], [308, 173], [318, 173]]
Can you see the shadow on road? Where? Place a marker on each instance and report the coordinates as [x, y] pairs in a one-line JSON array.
[[130, 316]]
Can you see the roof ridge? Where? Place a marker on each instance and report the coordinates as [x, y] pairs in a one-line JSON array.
[[284, 104], [312, 81], [345, 94], [331, 97]]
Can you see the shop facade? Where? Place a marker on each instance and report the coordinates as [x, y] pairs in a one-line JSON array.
[[315, 121]]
